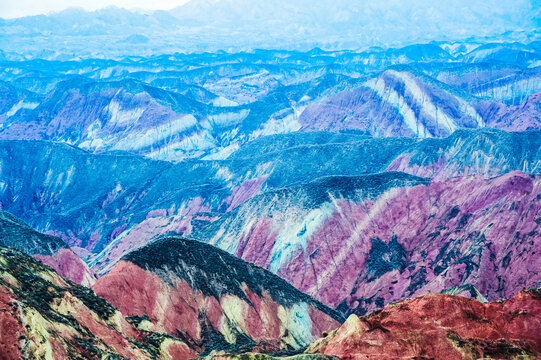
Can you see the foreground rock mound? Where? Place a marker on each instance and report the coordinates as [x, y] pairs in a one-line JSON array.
[[438, 326], [44, 316], [213, 300]]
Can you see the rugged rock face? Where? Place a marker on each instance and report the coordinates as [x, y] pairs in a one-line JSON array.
[[524, 116], [405, 102], [506, 83], [361, 177], [438, 326], [132, 115], [118, 115], [213, 300], [357, 245], [12, 99], [48, 249], [43, 315], [466, 153]]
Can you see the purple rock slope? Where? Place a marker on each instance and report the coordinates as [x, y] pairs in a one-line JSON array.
[[358, 244]]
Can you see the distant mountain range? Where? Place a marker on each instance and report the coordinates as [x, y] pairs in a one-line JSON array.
[[207, 106], [203, 25]]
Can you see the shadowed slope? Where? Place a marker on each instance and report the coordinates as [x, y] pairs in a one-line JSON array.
[[51, 250]]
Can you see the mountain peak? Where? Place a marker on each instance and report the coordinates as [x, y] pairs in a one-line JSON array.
[[215, 272]]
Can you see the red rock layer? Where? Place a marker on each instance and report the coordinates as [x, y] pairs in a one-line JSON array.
[[440, 326], [10, 328], [187, 313]]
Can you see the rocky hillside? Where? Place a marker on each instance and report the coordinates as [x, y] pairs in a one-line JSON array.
[[360, 243], [441, 326], [104, 205], [222, 355], [13, 99], [398, 102], [383, 151], [225, 307], [212, 300], [207, 106], [43, 316]]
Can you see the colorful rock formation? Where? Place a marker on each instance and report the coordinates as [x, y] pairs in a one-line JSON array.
[[105, 205], [440, 326], [358, 244], [398, 102], [360, 177], [43, 316], [258, 356], [209, 105], [212, 300]]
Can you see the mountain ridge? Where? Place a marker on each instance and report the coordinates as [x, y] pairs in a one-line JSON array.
[[213, 300]]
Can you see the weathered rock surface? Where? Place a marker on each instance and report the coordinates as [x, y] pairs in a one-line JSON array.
[[104, 205], [258, 356], [208, 105], [525, 116], [399, 102], [440, 326], [358, 244]]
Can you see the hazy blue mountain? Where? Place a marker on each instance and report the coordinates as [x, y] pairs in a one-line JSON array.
[[203, 25]]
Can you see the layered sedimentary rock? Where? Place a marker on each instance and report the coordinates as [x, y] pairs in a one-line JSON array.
[[399, 102], [440, 326], [524, 116], [117, 115], [213, 300], [486, 153], [132, 115], [48, 249], [362, 177], [44, 316], [360, 243], [506, 83]]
